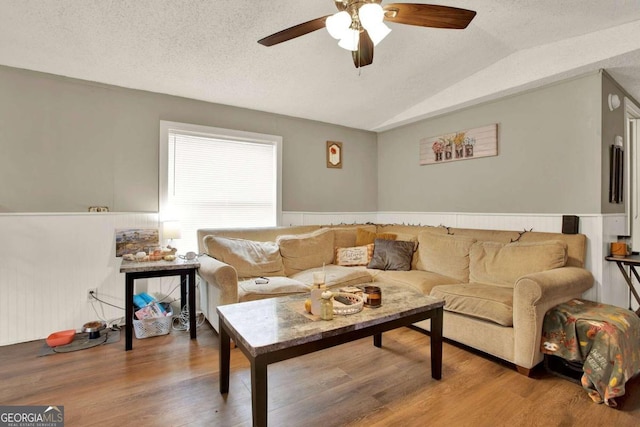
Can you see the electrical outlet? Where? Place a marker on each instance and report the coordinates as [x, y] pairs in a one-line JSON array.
[[90, 297]]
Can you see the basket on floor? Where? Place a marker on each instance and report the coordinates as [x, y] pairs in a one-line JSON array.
[[147, 328]]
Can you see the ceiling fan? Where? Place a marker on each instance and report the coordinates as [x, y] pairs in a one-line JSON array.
[[359, 25]]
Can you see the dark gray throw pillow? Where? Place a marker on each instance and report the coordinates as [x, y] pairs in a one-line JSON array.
[[392, 255]]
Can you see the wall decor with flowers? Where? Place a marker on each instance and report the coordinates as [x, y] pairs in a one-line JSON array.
[[334, 154], [462, 145]]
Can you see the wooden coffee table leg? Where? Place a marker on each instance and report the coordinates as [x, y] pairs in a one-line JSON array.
[[259, 391], [225, 356], [377, 340], [436, 344]]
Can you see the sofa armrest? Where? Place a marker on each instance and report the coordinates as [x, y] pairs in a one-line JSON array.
[[533, 295], [221, 281], [221, 276]]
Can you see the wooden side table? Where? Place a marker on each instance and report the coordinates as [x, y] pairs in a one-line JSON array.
[[186, 269], [632, 261]]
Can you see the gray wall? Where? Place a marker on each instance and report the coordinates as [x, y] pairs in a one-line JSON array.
[[612, 126], [68, 144], [549, 157]]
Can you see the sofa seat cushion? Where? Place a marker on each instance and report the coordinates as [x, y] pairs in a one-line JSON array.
[[488, 302], [503, 264], [335, 275], [421, 281], [444, 254], [304, 251], [249, 290], [249, 258]]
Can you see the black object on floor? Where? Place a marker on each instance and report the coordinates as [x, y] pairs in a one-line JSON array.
[[567, 369]]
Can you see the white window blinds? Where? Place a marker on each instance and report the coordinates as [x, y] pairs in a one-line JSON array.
[[215, 182]]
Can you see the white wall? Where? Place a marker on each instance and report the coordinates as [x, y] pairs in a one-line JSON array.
[[50, 260]]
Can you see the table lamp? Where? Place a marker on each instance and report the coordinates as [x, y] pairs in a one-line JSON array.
[[171, 230]]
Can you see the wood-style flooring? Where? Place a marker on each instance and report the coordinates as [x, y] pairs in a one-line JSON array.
[[173, 381]]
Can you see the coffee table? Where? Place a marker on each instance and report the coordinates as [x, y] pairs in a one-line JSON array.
[[277, 329]]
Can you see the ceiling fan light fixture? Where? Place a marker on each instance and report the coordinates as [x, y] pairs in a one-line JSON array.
[[350, 40], [378, 33], [370, 15], [338, 24]]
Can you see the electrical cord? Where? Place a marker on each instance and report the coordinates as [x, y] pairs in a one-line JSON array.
[[102, 302], [181, 321], [113, 323]]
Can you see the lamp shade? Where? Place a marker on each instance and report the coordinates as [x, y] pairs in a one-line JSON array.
[[370, 14], [350, 40], [378, 32], [338, 24], [171, 230]]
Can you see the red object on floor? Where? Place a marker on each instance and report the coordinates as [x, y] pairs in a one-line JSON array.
[[61, 338]]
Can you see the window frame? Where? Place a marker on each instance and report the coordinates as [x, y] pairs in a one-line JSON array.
[[218, 133]]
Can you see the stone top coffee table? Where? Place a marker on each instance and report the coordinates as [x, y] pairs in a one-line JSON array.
[[276, 329]]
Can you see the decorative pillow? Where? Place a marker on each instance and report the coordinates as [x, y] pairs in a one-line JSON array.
[[444, 254], [365, 237], [304, 251], [392, 255], [503, 264], [249, 258], [359, 255]]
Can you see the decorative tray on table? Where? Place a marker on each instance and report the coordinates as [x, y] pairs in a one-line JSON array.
[[356, 303]]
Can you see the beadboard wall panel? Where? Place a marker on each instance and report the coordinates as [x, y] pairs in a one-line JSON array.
[[49, 261]]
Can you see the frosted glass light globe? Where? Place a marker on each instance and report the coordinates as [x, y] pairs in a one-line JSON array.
[[338, 24]]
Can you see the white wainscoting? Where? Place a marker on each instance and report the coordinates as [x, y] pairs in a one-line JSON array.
[[49, 261], [609, 286]]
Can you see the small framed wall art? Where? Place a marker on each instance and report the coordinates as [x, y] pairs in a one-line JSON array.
[[334, 154]]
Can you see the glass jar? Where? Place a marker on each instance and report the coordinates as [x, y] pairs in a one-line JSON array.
[[326, 306], [373, 296]]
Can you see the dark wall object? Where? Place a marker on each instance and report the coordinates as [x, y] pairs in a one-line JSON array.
[[570, 224]]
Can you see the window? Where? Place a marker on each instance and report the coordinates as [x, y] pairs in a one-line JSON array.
[[212, 177]]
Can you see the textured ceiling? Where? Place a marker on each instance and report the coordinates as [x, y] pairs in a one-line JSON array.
[[208, 50]]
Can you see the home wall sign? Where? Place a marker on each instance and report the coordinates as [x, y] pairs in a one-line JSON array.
[[462, 145], [334, 154]]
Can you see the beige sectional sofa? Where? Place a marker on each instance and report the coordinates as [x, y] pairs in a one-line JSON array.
[[497, 285]]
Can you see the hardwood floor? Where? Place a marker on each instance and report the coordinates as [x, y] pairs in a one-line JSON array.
[[173, 381]]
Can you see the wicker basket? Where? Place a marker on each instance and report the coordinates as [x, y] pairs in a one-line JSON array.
[[147, 328], [354, 308]]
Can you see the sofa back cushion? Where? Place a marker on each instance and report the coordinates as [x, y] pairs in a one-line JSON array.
[[366, 237], [503, 264], [249, 258], [304, 251], [444, 254]]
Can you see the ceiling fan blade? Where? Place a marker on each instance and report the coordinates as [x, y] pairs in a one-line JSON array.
[[293, 32], [364, 55], [428, 15]]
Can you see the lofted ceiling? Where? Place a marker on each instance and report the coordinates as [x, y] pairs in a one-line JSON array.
[[208, 50]]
